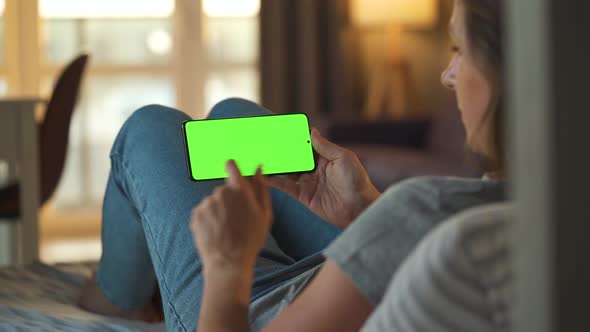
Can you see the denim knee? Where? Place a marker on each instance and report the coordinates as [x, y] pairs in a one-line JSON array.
[[148, 123], [236, 107], [153, 116]]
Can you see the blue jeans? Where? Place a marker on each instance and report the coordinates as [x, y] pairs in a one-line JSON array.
[[145, 229]]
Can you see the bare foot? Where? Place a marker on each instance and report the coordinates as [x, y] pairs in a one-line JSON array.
[[94, 301]]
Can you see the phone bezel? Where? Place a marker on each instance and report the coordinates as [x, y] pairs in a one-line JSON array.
[[187, 156]]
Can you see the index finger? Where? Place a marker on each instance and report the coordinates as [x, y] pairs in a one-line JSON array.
[[261, 188], [235, 179]]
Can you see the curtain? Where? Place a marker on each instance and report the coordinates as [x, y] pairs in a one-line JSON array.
[[304, 67]]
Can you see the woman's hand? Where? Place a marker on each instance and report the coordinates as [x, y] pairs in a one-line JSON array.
[[338, 190], [231, 225]]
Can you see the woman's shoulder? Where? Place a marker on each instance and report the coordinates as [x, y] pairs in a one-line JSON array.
[[446, 183], [457, 279], [444, 189]]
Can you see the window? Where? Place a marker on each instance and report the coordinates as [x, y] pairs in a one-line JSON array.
[[114, 32], [136, 49], [231, 43], [130, 43]]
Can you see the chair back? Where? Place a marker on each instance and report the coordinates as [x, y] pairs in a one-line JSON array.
[[55, 129]]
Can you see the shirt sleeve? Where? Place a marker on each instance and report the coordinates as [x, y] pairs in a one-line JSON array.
[[371, 249]]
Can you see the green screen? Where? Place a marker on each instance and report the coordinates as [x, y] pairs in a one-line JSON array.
[[280, 143]]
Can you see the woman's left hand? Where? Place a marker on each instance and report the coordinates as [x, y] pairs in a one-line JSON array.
[[231, 225]]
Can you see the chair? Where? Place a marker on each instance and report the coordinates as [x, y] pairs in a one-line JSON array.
[[53, 138]]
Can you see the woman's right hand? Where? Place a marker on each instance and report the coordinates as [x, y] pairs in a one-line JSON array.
[[338, 190]]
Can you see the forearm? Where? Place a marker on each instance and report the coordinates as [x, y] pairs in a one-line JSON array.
[[226, 299]]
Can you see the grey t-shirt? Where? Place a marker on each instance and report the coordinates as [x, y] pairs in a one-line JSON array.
[[371, 249], [458, 279]]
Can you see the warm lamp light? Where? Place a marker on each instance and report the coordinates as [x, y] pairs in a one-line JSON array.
[[415, 13], [390, 87]]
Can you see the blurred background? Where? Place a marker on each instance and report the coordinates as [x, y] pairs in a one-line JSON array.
[[365, 71], [367, 80]]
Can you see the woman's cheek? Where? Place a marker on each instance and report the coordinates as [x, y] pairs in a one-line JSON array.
[[475, 97], [463, 99]]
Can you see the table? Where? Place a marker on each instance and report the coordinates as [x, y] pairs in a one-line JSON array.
[[19, 147]]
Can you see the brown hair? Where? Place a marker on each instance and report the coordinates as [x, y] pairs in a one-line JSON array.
[[484, 27]]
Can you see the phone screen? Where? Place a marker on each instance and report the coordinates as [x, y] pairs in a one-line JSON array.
[[280, 143]]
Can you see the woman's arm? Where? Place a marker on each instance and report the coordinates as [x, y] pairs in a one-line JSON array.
[[226, 299], [229, 249], [229, 228], [330, 303]]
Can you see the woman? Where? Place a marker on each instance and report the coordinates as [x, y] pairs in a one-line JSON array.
[[275, 276]]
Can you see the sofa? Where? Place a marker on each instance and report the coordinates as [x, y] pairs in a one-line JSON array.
[[393, 150]]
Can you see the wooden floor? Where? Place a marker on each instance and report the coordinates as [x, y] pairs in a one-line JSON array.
[[69, 235]]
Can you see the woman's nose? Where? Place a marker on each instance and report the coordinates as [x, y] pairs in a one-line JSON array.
[[448, 76]]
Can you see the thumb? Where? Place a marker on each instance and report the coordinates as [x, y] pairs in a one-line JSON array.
[[324, 147]]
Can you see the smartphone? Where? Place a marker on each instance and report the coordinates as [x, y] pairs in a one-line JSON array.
[[281, 143]]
